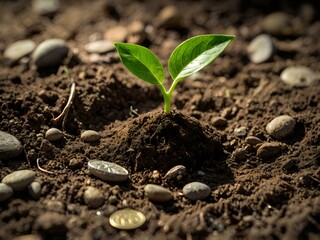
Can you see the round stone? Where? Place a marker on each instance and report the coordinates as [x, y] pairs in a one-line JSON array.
[[281, 127], [19, 49], [196, 191], [107, 171], [252, 140], [300, 76], [53, 134], [260, 49], [45, 7], [10, 146], [5, 192], [19, 180], [268, 151], [277, 23], [219, 122], [175, 172], [90, 136], [157, 193], [127, 219], [240, 131], [100, 46], [116, 34], [93, 197], [50, 53], [34, 190]]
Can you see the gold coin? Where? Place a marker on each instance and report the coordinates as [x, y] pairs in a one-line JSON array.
[[127, 219]]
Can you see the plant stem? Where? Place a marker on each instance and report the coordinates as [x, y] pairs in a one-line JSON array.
[[167, 96]]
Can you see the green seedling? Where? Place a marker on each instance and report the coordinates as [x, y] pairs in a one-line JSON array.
[[188, 58]]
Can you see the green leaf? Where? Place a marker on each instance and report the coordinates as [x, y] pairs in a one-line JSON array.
[[195, 53], [141, 62]]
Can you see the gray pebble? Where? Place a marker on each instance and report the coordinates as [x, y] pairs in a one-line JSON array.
[[34, 190], [45, 7], [53, 134], [93, 197], [278, 23], [108, 171], [300, 76], [50, 53], [260, 49], [157, 193], [252, 140], [219, 122], [240, 131], [196, 191], [100, 46], [268, 151], [90, 136], [281, 127], [10, 147], [175, 172], [19, 49], [19, 180], [5, 192]]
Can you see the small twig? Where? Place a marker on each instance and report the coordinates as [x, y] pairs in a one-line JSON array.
[[28, 160], [133, 111], [42, 169]]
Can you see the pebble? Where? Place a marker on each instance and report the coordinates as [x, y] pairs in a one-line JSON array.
[[19, 180], [50, 53], [157, 193], [5, 192], [45, 7], [281, 127], [34, 189], [93, 197], [240, 154], [108, 171], [241, 131], [116, 34], [19, 49], [219, 122], [53, 134], [10, 146], [90, 136], [300, 76], [51, 223], [100, 46], [28, 237], [169, 17], [252, 140], [137, 34], [269, 150], [196, 191], [175, 172], [278, 23], [260, 49]]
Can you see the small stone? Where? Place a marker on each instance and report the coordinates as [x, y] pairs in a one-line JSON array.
[[278, 23], [281, 127], [51, 223], [45, 7], [175, 172], [112, 199], [219, 122], [196, 191], [116, 34], [169, 17], [93, 197], [5, 192], [300, 76], [54, 206], [100, 46], [108, 171], [252, 140], [90, 136], [157, 193], [28, 237], [137, 33], [10, 146], [241, 131], [201, 173], [19, 180], [240, 154], [53, 134], [34, 190], [260, 49], [19, 49], [50, 53], [268, 151]]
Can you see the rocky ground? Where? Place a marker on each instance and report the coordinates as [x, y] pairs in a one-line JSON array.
[[237, 158]]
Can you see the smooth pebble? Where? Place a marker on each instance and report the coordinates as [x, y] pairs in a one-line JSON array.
[[5, 192], [108, 171], [19, 49], [116, 34], [90, 136], [219, 122], [10, 146], [196, 191], [169, 17], [268, 150], [240, 131], [252, 140], [45, 7], [260, 49], [50, 53], [281, 127], [300, 76], [100, 46], [93, 197], [53, 134], [157, 193], [175, 172], [19, 180], [277, 23], [34, 189]]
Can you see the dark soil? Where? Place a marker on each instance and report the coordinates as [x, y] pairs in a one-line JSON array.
[[251, 198]]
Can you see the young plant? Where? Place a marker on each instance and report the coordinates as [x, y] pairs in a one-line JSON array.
[[188, 58]]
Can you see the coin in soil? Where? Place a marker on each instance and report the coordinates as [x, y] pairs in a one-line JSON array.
[[127, 219], [108, 171]]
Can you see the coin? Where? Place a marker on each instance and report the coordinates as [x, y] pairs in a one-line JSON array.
[[127, 218], [107, 170]]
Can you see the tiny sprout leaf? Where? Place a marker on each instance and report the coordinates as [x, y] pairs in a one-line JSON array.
[[195, 53], [141, 62]]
